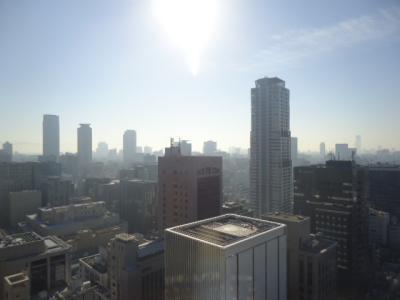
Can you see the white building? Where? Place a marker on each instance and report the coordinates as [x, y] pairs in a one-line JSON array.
[[226, 257], [209, 148], [270, 163]]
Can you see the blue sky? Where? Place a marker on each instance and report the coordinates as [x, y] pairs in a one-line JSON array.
[[110, 63]]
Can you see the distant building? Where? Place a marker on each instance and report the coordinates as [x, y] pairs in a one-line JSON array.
[[270, 163], [186, 147], [130, 267], [6, 154], [21, 204], [343, 152], [358, 144], [298, 229], [147, 150], [70, 164], [44, 259], [210, 148], [378, 227], [317, 269], [129, 146], [138, 205], [322, 151], [51, 137], [294, 151], [57, 191], [190, 188], [84, 144], [335, 196], [236, 208], [102, 151], [226, 257]]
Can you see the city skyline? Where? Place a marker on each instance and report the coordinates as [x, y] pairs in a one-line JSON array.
[[91, 70]]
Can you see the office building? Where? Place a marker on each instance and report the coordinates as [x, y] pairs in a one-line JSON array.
[[322, 151], [44, 260], [270, 163], [298, 229], [138, 205], [129, 267], [226, 257], [190, 187], [335, 196], [294, 151], [17, 287], [343, 152], [384, 189], [210, 148], [21, 204], [317, 269], [6, 154], [186, 147], [84, 144], [129, 146], [378, 227], [57, 191], [102, 151], [358, 144], [51, 137]]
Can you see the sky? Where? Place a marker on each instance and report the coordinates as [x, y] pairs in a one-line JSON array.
[[167, 69]]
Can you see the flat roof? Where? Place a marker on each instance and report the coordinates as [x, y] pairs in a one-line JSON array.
[[19, 239], [285, 217], [226, 229]]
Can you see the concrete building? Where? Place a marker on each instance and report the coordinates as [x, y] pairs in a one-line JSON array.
[[226, 257], [317, 269], [84, 226], [270, 163], [44, 260], [129, 146], [51, 137], [138, 205], [343, 152], [84, 144], [21, 204], [378, 227], [335, 196], [298, 229], [358, 144], [57, 191], [6, 154], [190, 188], [130, 267], [17, 287], [322, 151], [102, 151], [210, 148], [294, 151], [186, 147]]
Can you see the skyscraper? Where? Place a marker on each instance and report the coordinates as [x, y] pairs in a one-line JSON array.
[[226, 257], [129, 146], [51, 137], [84, 143], [358, 144], [322, 151], [270, 163], [294, 151], [190, 187], [209, 148], [342, 152]]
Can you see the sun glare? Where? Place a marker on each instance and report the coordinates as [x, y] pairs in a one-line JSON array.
[[189, 25]]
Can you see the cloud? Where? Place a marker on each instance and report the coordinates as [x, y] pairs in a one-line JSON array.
[[295, 46]]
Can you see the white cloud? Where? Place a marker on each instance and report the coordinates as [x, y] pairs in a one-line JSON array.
[[295, 46]]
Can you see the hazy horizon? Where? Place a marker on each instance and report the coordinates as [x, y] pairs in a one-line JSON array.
[[120, 65]]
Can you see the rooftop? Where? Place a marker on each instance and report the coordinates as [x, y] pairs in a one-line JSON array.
[[285, 217], [19, 239], [315, 244], [225, 230]]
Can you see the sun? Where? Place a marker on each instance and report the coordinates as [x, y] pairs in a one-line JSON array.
[[189, 25]]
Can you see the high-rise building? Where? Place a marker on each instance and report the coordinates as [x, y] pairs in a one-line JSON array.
[[57, 191], [322, 151], [51, 137], [378, 227], [186, 147], [298, 229], [335, 198], [209, 148], [343, 152], [84, 144], [270, 163], [7, 151], [294, 151], [190, 187], [358, 144], [129, 146], [226, 257], [21, 204], [102, 151]]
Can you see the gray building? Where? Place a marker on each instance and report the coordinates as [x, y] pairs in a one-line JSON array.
[[21, 204], [84, 143], [51, 137], [226, 257], [209, 148], [270, 163], [129, 146]]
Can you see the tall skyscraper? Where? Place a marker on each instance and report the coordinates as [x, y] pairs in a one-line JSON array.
[[84, 143], [102, 151], [322, 151], [358, 144], [342, 152], [226, 257], [190, 187], [294, 151], [335, 198], [129, 146], [270, 163], [209, 148], [51, 137]]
